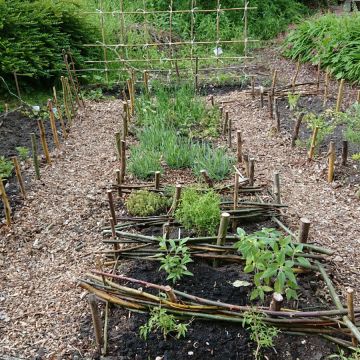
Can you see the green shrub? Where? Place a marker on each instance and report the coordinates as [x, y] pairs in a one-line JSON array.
[[6, 167], [178, 153], [332, 40], [23, 152], [351, 120], [199, 211], [33, 34], [143, 162], [145, 203]]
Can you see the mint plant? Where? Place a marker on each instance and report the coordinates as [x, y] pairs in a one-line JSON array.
[[175, 259], [271, 256]]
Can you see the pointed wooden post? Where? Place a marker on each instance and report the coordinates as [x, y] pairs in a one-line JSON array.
[[340, 95], [43, 141], [6, 203], [53, 124], [19, 176], [332, 158]]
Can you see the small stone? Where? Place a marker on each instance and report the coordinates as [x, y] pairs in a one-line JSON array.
[[338, 258], [190, 353]]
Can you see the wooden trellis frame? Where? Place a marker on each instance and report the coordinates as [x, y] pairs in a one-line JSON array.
[[153, 64]]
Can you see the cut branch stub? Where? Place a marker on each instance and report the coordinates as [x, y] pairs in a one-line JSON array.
[[97, 323], [297, 129], [304, 230], [157, 180], [224, 222], [239, 146], [206, 177], [276, 302]]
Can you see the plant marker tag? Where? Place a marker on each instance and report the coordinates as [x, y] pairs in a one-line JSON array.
[[240, 283], [218, 51]]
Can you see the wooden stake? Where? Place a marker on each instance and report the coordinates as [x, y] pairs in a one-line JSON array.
[[123, 160], [277, 115], [293, 82], [66, 103], [35, 156], [340, 95], [358, 97], [344, 153], [236, 191], [117, 145], [276, 302], [157, 180], [221, 111], [212, 100], [224, 222], [313, 143], [206, 177], [271, 108], [112, 207], [251, 171], [125, 120], [276, 189], [19, 177], [332, 158], [304, 230], [273, 84], [326, 86], [96, 319], [297, 129], [113, 233], [53, 124], [118, 181], [70, 96], [197, 74], [253, 87], [6, 108], [62, 123], [261, 97], [229, 133], [146, 82], [166, 231], [176, 200], [129, 86], [43, 141], [226, 123], [351, 313], [6, 203], [239, 146], [246, 164], [318, 77]]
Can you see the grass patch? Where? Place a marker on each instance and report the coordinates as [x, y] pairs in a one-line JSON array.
[[145, 203]]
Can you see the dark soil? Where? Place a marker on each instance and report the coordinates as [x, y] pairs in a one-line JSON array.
[[215, 340], [15, 130]]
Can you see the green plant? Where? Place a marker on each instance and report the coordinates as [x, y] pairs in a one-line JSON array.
[[293, 100], [143, 163], [355, 355], [166, 323], [271, 257], [331, 40], [6, 167], [23, 152], [216, 161], [199, 211], [351, 120], [178, 153], [325, 122], [145, 203], [356, 157], [261, 333], [175, 259]]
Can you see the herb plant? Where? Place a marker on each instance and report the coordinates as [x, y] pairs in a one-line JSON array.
[[143, 164], [6, 167], [293, 100], [199, 211], [145, 203], [271, 257], [261, 333], [23, 152], [166, 323], [175, 261]]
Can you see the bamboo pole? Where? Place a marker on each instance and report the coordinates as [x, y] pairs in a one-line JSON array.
[[344, 153], [111, 205], [125, 119], [332, 158], [43, 141], [239, 146], [304, 230], [226, 123], [57, 105], [351, 313], [6, 203], [19, 176], [313, 143], [340, 95], [35, 156], [276, 190], [53, 124], [96, 319], [123, 160]]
